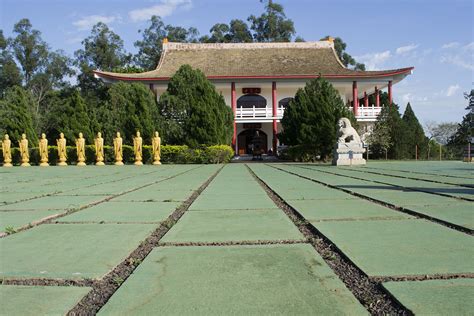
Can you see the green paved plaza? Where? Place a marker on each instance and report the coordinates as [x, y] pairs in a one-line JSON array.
[[228, 252]]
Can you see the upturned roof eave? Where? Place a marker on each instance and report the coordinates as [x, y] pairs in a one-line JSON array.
[[355, 75]]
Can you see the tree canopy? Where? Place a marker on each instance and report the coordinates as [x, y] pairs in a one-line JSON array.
[[311, 118], [194, 113]]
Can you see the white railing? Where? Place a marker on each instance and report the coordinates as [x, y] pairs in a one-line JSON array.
[[253, 112], [367, 113]]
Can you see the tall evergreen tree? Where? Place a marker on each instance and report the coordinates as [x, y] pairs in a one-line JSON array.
[[380, 139], [129, 108], [15, 115], [415, 134], [194, 113], [68, 115], [311, 118]]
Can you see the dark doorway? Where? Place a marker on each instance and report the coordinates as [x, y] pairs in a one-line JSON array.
[[248, 142]]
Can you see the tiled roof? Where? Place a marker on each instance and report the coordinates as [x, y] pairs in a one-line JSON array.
[[252, 60]]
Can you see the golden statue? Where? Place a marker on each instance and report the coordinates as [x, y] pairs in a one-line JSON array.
[[156, 147], [62, 153], [25, 155], [43, 151], [118, 150], [7, 152], [81, 150], [137, 148], [99, 150]]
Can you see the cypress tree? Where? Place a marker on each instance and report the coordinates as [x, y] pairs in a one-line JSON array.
[[16, 116], [415, 135], [311, 118], [68, 115], [194, 113]]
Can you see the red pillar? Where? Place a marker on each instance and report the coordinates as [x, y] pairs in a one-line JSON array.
[[390, 92], [366, 100], [377, 97], [274, 107], [355, 98], [233, 102]]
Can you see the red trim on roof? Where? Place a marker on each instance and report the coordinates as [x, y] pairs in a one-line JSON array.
[[380, 75]]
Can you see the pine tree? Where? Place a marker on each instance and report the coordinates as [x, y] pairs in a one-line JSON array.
[[194, 113], [415, 134], [16, 116], [311, 118], [67, 115]]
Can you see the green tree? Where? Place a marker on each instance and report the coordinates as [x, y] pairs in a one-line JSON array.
[[311, 118], [9, 72], [67, 114], [103, 50], [415, 135], [194, 113], [344, 57], [398, 134], [380, 139], [236, 32], [129, 108], [151, 44], [29, 49], [272, 25], [15, 115]]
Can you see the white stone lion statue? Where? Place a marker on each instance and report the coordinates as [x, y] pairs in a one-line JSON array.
[[347, 133]]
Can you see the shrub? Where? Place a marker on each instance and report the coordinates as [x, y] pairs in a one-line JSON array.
[[170, 154]]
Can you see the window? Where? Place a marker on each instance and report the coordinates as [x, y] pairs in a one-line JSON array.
[[251, 100], [284, 102]]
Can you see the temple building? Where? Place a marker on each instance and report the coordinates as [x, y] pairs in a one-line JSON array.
[[259, 79]]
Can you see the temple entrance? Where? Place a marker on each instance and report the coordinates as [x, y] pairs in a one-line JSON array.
[[249, 143]]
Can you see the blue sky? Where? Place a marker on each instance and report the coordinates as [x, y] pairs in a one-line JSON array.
[[434, 36]]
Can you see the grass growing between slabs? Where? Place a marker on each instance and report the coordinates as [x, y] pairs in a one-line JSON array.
[[227, 254]]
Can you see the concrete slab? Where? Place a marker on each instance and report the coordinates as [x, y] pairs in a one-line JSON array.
[[232, 201], [69, 250], [402, 247], [17, 219], [151, 195], [232, 225], [247, 280], [459, 213], [53, 203], [39, 300], [435, 297], [124, 212], [343, 209]]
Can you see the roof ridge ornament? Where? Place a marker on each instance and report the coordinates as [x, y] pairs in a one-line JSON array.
[[201, 46]]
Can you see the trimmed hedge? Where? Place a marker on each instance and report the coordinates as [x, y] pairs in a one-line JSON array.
[[170, 154]]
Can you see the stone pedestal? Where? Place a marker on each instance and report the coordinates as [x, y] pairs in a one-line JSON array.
[[347, 154]]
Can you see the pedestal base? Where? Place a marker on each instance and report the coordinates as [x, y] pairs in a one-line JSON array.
[[348, 154], [81, 164], [119, 163], [44, 164], [7, 164], [138, 163], [157, 162], [62, 163], [100, 163], [25, 164]]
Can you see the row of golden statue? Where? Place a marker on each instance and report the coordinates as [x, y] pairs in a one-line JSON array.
[[81, 150]]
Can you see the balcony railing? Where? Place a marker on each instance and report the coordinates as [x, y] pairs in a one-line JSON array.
[[258, 113], [367, 113]]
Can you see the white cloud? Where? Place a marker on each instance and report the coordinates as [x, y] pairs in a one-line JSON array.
[[458, 61], [403, 50], [409, 97], [452, 90], [165, 8], [87, 22], [373, 61], [450, 45], [469, 46]]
